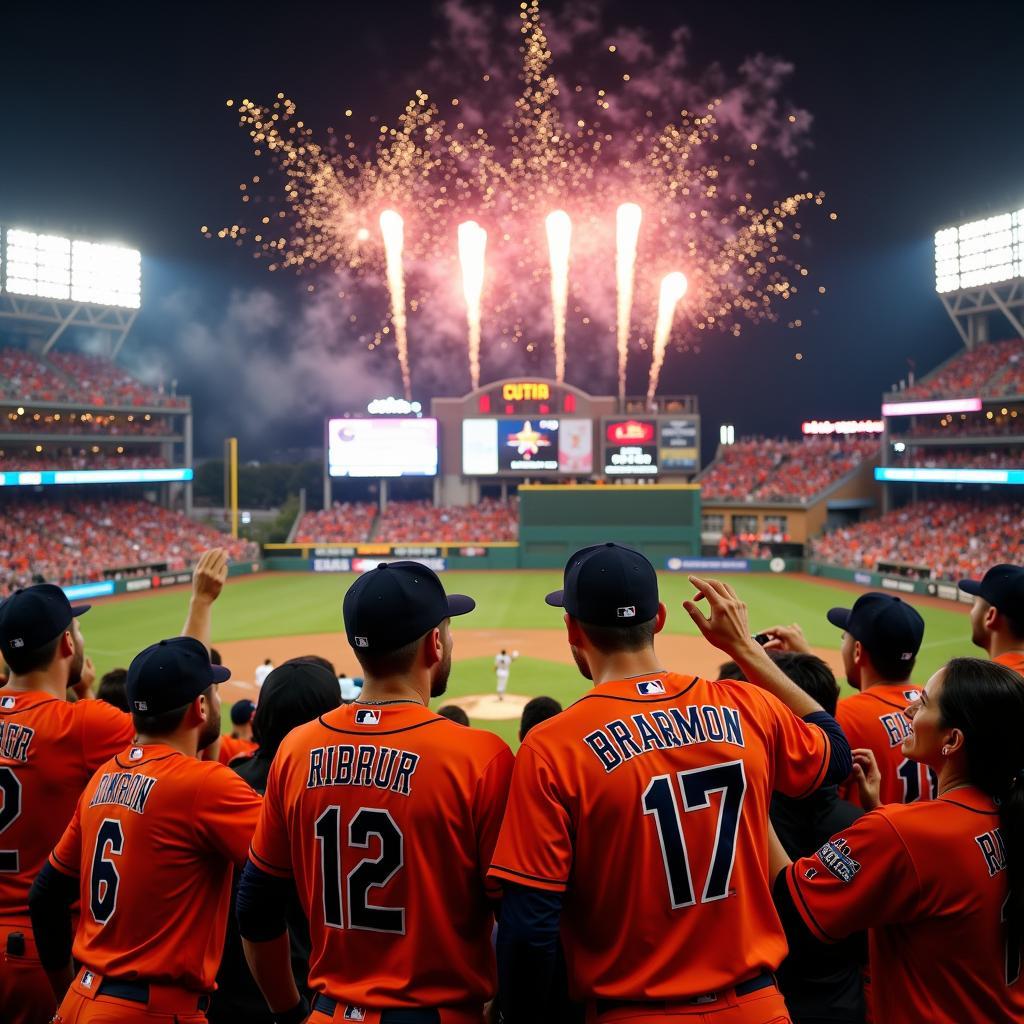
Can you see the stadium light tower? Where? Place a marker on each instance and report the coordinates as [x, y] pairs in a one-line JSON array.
[[49, 283], [979, 269]]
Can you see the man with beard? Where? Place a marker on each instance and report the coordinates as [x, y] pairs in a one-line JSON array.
[[149, 853], [385, 816], [49, 748], [997, 615]]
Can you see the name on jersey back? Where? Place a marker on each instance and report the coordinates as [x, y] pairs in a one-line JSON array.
[[364, 764]]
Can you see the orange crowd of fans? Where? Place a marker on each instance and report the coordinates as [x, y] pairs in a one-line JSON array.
[[103, 424], [343, 521], [74, 540], [74, 377], [62, 459], [770, 469], [951, 539], [995, 369], [961, 458], [488, 520]]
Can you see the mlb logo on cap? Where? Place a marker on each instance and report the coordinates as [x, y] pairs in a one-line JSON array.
[[649, 686], [629, 612], [17, 642], [361, 641], [141, 705], [367, 716]]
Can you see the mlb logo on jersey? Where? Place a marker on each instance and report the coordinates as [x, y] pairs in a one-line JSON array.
[[354, 1013], [649, 686], [7, 702], [87, 979], [628, 612], [366, 716], [135, 754]]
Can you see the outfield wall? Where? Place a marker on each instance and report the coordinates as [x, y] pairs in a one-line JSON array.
[[946, 589], [152, 581]]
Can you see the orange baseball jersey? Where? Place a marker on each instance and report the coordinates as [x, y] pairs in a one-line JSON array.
[[154, 840], [929, 880], [230, 748], [1012, 659], [48, 750], [386, 816], [646, 803], [875, 719]]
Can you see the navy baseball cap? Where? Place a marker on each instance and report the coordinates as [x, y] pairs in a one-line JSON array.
[[608, 585], [396, 603], [242, 712], [889, 628], [171, 674], [1002, 586], [31, 618]]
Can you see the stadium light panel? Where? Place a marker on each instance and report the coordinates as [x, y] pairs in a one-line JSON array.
[[107, 275], [894, 474], [980, 252], [931, 408], [50, 477], [38, 265]]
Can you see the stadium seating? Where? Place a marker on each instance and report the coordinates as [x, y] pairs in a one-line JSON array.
[[22, 460], [74, 377], [344, 521], [952, 539], [74, 540], [993, 370], [767, 469], [488, 520], [102, 424], [962, 458]]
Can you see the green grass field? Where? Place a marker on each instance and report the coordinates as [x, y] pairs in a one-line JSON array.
[[286, 604]]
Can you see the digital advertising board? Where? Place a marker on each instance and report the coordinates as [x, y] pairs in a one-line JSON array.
[[540, 446], [382, 447], [630, 447]]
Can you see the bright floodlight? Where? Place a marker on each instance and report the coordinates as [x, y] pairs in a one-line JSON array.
[[38, 265], [107, 275], [980, 252]]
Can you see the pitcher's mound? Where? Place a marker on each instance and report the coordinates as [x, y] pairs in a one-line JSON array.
[[487, 707]]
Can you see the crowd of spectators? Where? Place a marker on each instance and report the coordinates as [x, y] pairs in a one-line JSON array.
[[948, 539], [927, 457], [74, 540], [63, 458], [991, 423], [104, 424], [343, 521], [488, 520], [104, 382], [74, 377], [995, 369], [770, 469]]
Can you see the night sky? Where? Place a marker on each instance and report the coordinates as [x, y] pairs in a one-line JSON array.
[[115, 126]]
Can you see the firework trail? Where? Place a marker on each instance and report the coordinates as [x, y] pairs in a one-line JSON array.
[[627, 231], [559, 228], [392, 228], [472, 250], [673, 288]]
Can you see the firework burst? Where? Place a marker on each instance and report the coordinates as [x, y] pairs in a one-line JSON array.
[[565, 149]]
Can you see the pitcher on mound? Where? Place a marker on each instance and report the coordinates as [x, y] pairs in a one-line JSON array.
[[502, 664]]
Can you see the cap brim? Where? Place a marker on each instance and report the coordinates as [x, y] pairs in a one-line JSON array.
[[460, 604], [219, 674], [839, 617], [972, 587], [555, 598], [79, 609]]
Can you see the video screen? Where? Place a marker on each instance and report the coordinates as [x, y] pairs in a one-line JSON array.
[[631, 447], [382, 447], [537, 446]]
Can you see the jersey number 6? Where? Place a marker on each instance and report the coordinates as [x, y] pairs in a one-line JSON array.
[[103, 878], [369, 872], [697, 785]]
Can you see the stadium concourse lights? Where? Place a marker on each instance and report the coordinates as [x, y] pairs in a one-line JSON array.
[[727, 433], [75, 270]]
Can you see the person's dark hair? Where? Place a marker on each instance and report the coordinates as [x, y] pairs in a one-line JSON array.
[[163, 723], [389, 663], [985, 701], [317, 659], [286, 703], [454, 713], [22, 661], [891, 669], [215, 658], [808, 671], [111, 688], [620, 639], [537, 710]]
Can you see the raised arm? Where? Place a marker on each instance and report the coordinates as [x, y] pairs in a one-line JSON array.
[[207, 582]]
